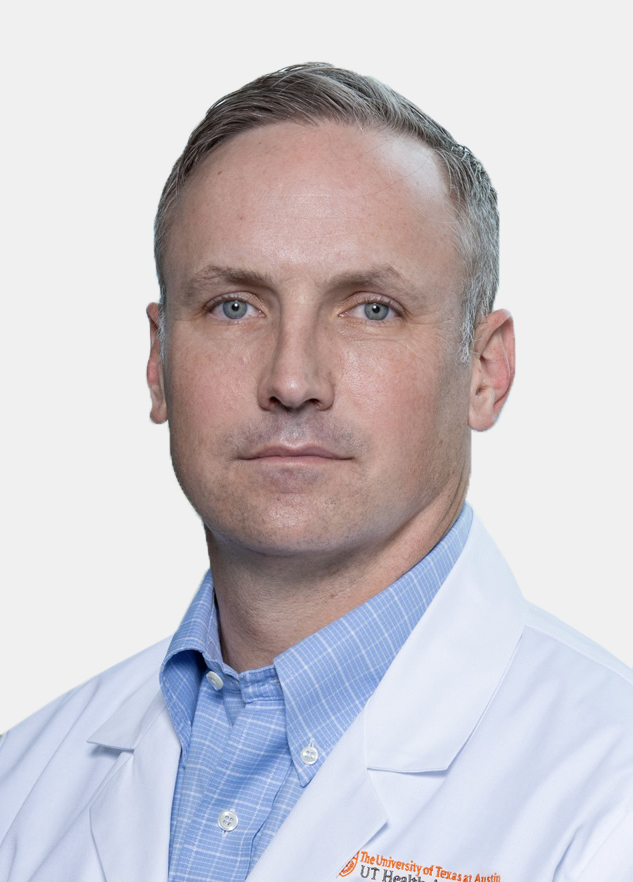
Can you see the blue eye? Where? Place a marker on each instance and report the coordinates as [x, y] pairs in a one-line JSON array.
[[376, 312], [234, 309]]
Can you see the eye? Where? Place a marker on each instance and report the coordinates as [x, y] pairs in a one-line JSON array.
[[376, 312], [233, 309]]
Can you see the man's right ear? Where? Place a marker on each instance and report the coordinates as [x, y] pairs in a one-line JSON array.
[[155, 379]]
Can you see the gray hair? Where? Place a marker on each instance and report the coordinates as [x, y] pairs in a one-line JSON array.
[[314, 93]]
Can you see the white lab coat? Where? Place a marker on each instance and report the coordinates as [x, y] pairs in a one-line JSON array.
[[499, 746]]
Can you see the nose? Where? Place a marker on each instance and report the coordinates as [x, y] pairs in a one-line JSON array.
[[299, 369]]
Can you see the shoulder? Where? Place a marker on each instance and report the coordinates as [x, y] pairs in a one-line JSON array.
[[565, 705], [544, 639], [65, 725], [552, 631], [579, 692], [95, 699], [573, 655]]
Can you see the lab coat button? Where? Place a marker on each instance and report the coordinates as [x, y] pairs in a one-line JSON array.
[[227, 821], [215, 680], [309, 755]]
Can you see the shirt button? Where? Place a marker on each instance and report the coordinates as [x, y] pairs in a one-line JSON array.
[[215, 680], [227, 821], [309, 755]]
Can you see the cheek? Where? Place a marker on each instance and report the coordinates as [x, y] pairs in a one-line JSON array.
[[206, 389], [393, 384], [414, 403]]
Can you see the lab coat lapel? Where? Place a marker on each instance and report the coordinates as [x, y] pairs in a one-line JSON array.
[[338, 812], [130, 816], [445, 675]]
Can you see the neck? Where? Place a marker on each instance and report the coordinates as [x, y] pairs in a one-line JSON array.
[[269, 602]]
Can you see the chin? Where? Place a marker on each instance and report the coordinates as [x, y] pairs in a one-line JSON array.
[[280, 536]]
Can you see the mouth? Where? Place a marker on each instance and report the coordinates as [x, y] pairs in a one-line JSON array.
[[307, 453]]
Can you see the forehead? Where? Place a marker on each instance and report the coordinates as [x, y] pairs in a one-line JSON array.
[[293, 193]]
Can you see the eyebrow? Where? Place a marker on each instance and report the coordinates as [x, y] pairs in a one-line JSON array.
[[380, 276], [217, 275], [374, 277]]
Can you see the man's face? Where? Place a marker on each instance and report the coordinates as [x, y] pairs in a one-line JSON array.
[[310, 374]]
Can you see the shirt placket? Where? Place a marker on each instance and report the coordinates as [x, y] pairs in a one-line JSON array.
[[248, 774]]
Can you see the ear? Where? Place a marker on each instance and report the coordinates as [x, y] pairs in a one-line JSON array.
[[155, 380], [492, 369]]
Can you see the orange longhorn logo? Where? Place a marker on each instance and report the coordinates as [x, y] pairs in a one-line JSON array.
[[349, 866]]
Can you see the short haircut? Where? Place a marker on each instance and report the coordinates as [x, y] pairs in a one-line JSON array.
[[315, 93]]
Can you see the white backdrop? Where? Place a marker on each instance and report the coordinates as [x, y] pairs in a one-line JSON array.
[[101, 553]]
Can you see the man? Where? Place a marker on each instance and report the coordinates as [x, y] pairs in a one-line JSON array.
[[358, 690]]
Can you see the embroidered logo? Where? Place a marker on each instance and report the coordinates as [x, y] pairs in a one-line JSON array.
[[378, 868]]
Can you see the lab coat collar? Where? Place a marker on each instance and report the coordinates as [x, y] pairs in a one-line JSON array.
[[451, 664], [127, 726], [130, 816]]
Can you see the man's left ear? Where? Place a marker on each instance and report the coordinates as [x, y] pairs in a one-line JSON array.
[[492, 369]]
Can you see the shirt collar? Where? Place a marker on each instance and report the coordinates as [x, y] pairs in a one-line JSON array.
[[193, 647], [326, 679]]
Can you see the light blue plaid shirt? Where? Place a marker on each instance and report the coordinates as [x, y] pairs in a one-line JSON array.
[[253, 741]]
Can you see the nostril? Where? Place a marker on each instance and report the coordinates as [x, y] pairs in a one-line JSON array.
[[277, 404]]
